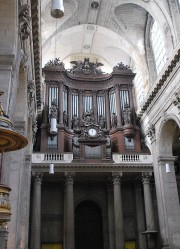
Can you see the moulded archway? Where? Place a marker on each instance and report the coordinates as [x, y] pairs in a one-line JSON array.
[[88, 226], [166, 136]]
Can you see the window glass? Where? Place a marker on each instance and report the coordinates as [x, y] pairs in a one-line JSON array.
[[138, 82], [158, 46]]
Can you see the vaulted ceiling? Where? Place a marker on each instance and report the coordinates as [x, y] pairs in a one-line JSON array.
[[111, 32], [105, 33]]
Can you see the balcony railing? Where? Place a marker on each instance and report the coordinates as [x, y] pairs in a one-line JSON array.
[[52, 157], [46, 158], [132, 158]]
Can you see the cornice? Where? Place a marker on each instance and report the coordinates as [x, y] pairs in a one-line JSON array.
[[94, 167]]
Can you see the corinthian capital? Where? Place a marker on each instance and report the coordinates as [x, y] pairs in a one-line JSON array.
[[116, 176]]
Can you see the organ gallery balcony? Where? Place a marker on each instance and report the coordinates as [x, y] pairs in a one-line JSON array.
[[67, 158]]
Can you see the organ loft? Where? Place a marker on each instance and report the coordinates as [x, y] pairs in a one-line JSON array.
[[93, 112]]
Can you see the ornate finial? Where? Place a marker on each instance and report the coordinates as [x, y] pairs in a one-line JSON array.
[[55, 62], [121, 67]]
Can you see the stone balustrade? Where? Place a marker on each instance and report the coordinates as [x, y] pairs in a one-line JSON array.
[[43, 158], [132, 158]]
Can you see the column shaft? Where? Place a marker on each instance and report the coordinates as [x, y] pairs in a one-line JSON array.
[[111, 218], [140, 217], [118, 213], [69, 213], [149, 212], [36, 214]]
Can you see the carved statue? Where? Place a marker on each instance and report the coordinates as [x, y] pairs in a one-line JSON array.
[[75, 123], [65, 118], [101, 122], [127, 115], [31, 96], [34, 131], [54, 109], [88, 117], [24, 21], [114, 120]]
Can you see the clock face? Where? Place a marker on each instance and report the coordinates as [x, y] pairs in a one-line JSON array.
[[92, 132]]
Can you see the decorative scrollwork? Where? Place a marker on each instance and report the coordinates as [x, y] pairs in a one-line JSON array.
[[176, 99], [86, 67], [151, 131]]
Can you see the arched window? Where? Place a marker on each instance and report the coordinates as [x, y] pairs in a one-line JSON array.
[[158, 46]]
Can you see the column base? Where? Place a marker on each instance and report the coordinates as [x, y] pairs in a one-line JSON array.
[[165, 247], [3, 238]]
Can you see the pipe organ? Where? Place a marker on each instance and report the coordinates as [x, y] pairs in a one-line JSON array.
[[85, 89]]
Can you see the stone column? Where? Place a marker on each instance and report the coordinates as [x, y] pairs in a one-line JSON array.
[[36, 213], [140, 216], [3, 237], [118, 212], [111, 217], [69, 212], [149, 212], [118, 107], [108, 117]]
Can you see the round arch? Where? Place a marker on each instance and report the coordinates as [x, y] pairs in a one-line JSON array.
[[157, 11], [88, 225], [167, 132]]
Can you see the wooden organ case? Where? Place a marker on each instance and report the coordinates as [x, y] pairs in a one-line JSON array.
[[93, 112]]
